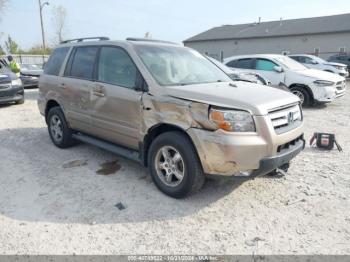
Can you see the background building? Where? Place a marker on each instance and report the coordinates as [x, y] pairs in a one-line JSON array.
[[321, 36]]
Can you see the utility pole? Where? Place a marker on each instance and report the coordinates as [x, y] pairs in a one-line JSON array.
[[41, 6]]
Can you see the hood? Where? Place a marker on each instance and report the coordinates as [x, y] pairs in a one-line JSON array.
[[335, 64], [4, 71], [320, 75], [258, 99], [4, 79], [32, 72]]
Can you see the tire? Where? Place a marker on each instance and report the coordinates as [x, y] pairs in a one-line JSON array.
[[60, 133], [184, 170], [20, 102], [303, 94]]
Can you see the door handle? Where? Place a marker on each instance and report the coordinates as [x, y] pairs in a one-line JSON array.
[[63, 86]]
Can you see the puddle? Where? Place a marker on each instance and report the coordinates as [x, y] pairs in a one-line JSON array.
[[75, 163], [109, 168]]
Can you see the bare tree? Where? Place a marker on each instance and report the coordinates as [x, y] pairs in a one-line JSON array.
[[59, 20]]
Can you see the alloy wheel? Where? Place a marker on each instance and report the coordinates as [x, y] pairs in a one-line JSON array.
[[170, 166], [56, 128]]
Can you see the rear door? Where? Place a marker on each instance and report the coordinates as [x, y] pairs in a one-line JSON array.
[[115, 99], [77, 85]]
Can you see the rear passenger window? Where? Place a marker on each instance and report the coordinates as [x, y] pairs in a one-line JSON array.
[[53, 66], [83, 62], [232, 63], [297, 58], [246, 63], [116, 67], [264, 65]]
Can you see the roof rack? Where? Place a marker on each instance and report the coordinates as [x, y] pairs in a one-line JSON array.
[[100, 38], [149, 40]]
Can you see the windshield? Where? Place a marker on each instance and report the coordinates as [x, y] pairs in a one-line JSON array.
[[220, 65], [290, 63], [318, 59], [171, 66]]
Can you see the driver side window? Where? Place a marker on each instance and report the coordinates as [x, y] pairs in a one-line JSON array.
[[308, 60], [116, 67], [264, 65]]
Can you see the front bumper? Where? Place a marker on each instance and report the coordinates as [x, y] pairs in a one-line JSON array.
[[269, 164], [225, 153], [12, 94], [327, 94]]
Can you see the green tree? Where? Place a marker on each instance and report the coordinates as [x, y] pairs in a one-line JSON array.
[[11, 46]]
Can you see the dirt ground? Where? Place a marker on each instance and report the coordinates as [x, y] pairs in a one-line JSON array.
[[85, 200]]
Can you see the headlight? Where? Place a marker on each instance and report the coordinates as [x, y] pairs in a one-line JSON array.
[[16, 82], [232, 120], [323, 83]]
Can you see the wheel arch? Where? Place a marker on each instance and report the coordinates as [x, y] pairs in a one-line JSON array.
[[307, 88], [50, 104], [154, 132]]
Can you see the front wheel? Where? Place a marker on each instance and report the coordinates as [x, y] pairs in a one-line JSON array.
[[174, 165], [302, 94]]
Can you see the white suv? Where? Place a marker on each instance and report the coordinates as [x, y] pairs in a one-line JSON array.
[[309, 85], [315, 62]]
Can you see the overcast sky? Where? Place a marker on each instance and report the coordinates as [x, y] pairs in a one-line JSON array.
[[174, 20]]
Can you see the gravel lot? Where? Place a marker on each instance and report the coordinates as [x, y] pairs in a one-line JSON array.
[[51, 205]]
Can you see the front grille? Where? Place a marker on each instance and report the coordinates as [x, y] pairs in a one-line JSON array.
[[289, 144], [282, 118]]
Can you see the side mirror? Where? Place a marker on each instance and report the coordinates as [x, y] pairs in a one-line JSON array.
[[278, 69], [314, 62]]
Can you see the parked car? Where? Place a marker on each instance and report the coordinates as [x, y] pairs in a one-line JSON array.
[[30, 74], [309, 85], [315, 62], [11, 89], [341, 58], [237, 75], [169, 108]]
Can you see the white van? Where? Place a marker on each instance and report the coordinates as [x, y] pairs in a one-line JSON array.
[[309, 85]]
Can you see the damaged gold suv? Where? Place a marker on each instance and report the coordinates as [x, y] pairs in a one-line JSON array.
[[169, 108]]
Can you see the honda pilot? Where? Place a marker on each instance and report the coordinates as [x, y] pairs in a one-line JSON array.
[[169, 108]]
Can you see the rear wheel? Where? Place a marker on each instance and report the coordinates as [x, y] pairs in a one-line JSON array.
[[174, 165], [303, 95], [60, 133]]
